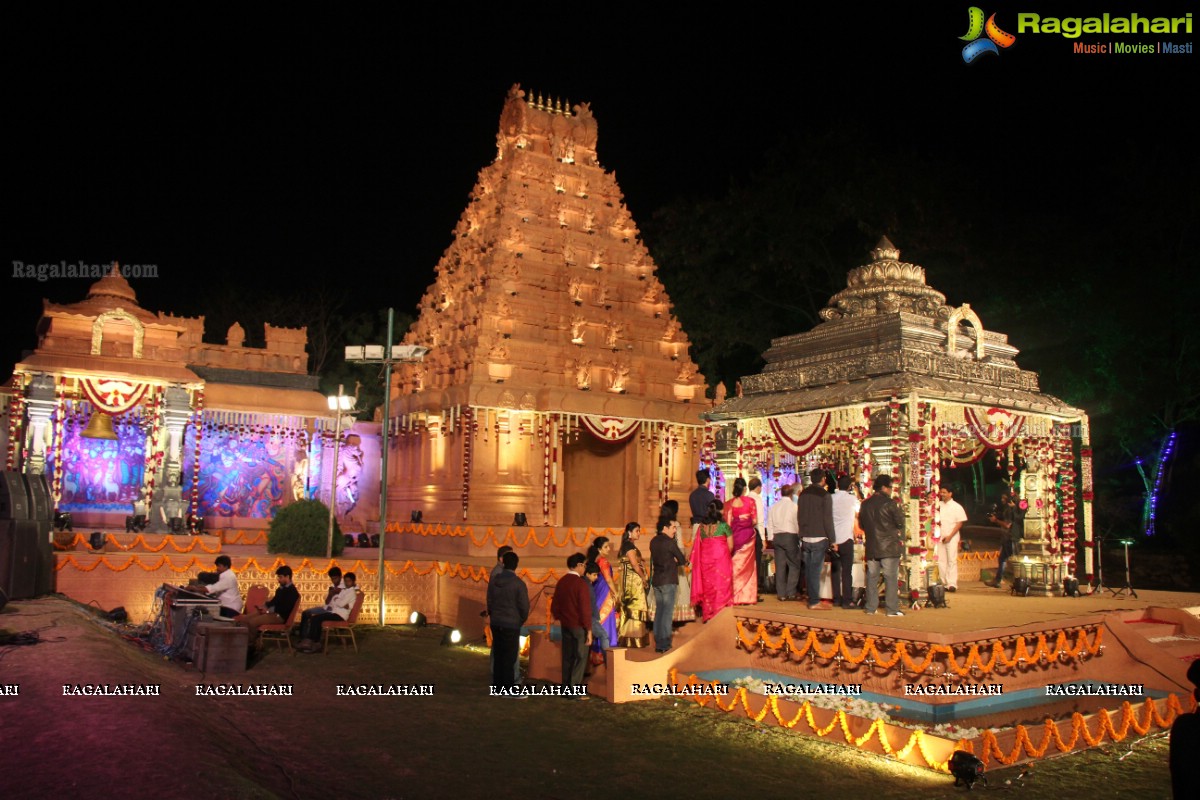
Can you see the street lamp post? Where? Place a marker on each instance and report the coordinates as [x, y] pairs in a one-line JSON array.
[[338, 404], [386, 355]]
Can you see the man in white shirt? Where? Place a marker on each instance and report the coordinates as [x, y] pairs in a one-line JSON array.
[[225, 590], [783, 527], [952, 518], [338, 608], [845, 506]]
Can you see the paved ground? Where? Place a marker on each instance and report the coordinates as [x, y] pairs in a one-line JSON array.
[[458, 743]]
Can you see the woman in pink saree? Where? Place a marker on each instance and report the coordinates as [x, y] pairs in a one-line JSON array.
[[741, 514], [712, 574]]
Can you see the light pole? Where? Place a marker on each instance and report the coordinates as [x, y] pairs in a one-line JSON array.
[[338, 404], [387, 355]]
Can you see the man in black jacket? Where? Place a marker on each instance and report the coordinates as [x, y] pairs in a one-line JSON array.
[[883, 523], [815, 515], [508, 608]]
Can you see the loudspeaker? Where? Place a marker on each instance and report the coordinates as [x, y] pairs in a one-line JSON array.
[[41, 506], [23, 559], [14, 499]]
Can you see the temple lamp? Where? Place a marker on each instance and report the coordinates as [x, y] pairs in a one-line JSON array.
[[452, 638], [337, 404], [386, 356]]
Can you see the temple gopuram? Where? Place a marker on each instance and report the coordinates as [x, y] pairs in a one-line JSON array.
[[896, 381], [558, 383], [129, 412]]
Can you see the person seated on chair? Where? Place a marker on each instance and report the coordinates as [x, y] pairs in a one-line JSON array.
[[225, 589], [338, 608], [335, 586], [278, 608]]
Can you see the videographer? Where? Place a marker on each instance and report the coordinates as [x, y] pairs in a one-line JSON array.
[[1003, 514]]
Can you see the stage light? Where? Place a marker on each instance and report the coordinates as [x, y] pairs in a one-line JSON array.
[[176, 524], [135, 523], [452, 638], [62, 521], [418, 619], [195, 524], [374, 540], [415, 515], [364, 540], [519, 520], [97, 540]]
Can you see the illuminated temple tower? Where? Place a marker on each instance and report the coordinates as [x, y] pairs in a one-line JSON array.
[[558, 382]]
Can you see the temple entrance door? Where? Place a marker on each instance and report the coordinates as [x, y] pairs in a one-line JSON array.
[[599, 483]]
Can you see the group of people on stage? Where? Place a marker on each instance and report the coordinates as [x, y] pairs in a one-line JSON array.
[[339, 603]]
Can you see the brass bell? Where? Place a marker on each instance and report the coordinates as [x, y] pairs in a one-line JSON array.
[[100, 426]]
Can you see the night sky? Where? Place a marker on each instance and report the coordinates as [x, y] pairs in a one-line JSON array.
[[337, 145]]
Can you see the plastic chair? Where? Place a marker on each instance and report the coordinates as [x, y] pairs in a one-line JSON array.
[[280, 633], [256, 597], [343, 630]]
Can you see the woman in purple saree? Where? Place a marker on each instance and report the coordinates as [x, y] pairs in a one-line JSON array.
[[605, 596], [712, 573]]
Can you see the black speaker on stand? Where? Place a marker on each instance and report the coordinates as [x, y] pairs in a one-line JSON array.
[[15, 545], [41, 513]]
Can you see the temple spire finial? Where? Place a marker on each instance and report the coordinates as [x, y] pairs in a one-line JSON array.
[[885, 250]]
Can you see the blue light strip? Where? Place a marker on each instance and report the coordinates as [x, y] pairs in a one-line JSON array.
[[1158, 476]]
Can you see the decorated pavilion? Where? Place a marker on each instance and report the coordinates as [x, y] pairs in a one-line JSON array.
[[128, 412], [558, 382], [896, 381]]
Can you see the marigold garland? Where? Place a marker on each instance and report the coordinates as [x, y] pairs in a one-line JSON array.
[[839, 723], [510, 537], [443, 569], [973, 660], [140, 541], [988, 742], [1023, 743]]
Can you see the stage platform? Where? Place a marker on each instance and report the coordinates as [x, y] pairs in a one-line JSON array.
[[985, 636]]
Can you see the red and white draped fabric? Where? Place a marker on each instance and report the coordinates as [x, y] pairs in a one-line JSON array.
[[799, 433], [113, 396], [610, 429], [997, 429]]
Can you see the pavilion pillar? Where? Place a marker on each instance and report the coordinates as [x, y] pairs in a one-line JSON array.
[[41, 404], [177, 411], [1085, 484]]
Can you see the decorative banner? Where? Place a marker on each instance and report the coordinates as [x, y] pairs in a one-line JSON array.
[[610, 429], [799, 433], [998, 430], [113, 396]]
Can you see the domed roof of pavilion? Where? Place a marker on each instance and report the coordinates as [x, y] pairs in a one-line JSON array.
[[110, 293], [889, 334]]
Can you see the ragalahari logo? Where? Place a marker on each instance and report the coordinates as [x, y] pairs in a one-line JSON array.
[[976, 27]]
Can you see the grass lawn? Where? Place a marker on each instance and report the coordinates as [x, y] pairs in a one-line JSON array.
[[459, 743]]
